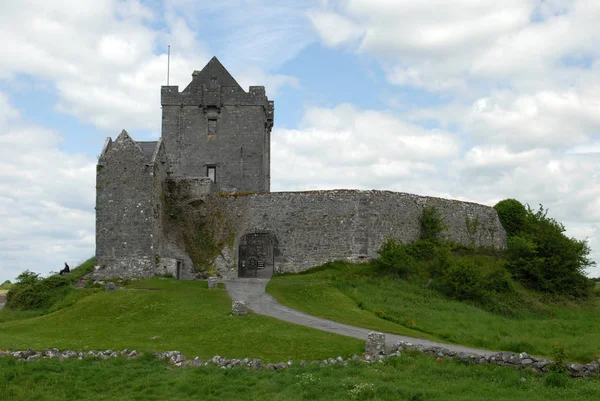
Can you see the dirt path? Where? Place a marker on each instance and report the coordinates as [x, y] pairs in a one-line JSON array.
[[252, 291]]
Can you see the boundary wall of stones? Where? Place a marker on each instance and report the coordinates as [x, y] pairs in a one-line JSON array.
[[375, 352]]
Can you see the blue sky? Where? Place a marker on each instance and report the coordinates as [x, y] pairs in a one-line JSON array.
[[478, 100]]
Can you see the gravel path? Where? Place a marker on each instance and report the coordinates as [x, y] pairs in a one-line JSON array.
[[252, 291]]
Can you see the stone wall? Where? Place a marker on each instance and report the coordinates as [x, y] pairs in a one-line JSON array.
[[124, 211], [311, 228]]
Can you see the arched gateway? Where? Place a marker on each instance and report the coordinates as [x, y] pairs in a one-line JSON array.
[[256, 257]]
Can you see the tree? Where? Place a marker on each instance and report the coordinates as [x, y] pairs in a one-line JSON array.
[[543, 258]]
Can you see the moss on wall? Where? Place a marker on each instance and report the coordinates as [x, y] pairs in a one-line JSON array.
[[203, 229]]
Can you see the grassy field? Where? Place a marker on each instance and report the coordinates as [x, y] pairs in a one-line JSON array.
[[166, 314], [410, 377], [354, 294]]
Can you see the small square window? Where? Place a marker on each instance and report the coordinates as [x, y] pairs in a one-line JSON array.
[[212, 126], [211, 172]]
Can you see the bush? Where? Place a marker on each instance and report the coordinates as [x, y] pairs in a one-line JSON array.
[[394, 258], [467, 279], [432, 224], [544, 259], [34, 293], [31, 292], [512, 215], [6, 285], [462, 280], [423, 249]]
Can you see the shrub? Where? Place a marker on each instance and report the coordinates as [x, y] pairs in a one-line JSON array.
[[6, 285], [31, 294], [394, 258], [432, 224], [544, 259], [468, 279], [423, 249], [512, 215], [462, 280]]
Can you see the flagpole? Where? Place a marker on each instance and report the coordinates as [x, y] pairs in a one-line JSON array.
[[168, 64]]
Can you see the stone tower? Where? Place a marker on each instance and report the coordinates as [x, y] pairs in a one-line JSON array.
[[214, 128]]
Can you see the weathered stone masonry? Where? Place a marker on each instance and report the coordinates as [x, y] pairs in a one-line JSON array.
[[214, 123], [311, 228], [213, 162]]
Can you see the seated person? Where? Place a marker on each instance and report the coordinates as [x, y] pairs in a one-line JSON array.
[[65, 270]]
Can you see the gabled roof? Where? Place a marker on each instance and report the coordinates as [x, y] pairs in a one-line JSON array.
[[214, 69], [147, 147]]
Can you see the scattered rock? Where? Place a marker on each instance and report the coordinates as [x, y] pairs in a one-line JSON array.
[[110, 287], [239, 308], [212, 282]]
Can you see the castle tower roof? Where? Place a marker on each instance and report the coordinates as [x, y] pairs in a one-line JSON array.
[[212, 72]]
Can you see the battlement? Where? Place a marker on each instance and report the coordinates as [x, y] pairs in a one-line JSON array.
[[223, 95]]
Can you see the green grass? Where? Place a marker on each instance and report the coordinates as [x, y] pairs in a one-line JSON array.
[[166, 314], [355, 294], [409, 377]]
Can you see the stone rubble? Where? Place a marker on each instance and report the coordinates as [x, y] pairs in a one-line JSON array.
[[375, 354]]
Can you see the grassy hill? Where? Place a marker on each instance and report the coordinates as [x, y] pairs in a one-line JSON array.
[[358, 295], [166, 314]]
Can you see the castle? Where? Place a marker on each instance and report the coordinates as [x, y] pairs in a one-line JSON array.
[[198, 200]]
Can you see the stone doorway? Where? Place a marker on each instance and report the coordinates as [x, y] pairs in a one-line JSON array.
[[256, 257], [178, 271]]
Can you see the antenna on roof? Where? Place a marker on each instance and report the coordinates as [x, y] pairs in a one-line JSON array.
[[168, 64]]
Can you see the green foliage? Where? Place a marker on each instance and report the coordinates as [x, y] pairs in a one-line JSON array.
[[432, 224], [31, 292], [468, 279], [205, 233], [463, 278], [472, 226], [559, 357], [27, 277], [394, 258], [555, 380], [6, 285], [512, 215], [544, 259]]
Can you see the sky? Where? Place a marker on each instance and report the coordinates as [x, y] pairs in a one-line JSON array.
[[477, 100]]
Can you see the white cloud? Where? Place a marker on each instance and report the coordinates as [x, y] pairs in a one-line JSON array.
[[333, 28], [555, 119], [47, 201], [346, 147], [443, 46]]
